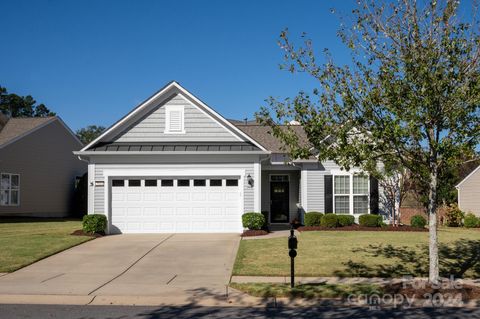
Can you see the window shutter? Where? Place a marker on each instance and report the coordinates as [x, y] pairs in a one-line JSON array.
[[374, 195], [328, 193], [175, 124]]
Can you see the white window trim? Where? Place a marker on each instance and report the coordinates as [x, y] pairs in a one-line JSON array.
[[10, 189], [168, 110], [350, 195]]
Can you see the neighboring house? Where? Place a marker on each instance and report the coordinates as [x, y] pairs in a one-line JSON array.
[[469, 192], [173, 164], [37, 168]]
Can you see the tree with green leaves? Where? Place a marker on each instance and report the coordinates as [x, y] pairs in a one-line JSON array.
[[410, 96], [89, 133], [13, 105]]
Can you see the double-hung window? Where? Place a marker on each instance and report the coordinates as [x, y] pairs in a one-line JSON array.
[[9, 189], [350, 194]]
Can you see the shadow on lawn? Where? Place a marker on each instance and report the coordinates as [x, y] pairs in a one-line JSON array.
[[16, 220], [459, 259]]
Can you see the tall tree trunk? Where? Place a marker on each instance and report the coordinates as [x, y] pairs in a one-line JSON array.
[[434, 273]]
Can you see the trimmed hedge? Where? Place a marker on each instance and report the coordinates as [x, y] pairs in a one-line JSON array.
[[95, 223], [253, 221], [370, 220], [313, 219], [329, 220], [345, 220], [471, 221], [418, 221]]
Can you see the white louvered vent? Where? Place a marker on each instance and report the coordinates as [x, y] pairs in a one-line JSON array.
[[174, 122]]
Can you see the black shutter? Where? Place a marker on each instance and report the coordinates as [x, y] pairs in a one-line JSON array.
[[328, 196], [373, 195]]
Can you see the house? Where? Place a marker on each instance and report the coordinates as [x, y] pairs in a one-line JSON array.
[[469, 192], [37, 168], [173, 164]]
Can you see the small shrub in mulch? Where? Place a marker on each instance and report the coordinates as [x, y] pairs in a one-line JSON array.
[[252, 232], [80, 232], [425, 291], [356, 227]]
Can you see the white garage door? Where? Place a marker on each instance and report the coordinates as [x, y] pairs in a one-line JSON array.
[[175, 205]]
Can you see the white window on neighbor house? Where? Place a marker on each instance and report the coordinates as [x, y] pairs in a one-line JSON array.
[[9, 189], [351, 194], [174, 119]]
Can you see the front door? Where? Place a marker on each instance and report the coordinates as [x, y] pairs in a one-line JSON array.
[[279, 202]]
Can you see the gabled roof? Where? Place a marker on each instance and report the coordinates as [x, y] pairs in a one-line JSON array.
[[109, 133], [468, 176], [264, 136], [16, 128]]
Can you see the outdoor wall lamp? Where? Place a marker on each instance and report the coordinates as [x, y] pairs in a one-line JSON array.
[[250, 180]]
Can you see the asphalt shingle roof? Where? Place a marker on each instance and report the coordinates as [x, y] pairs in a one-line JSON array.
[[16, 127]]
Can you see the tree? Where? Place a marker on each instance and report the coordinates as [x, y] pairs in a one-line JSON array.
[[13, 105], [410, 96], [89, 133]]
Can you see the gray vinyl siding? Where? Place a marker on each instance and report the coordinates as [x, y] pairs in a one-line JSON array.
[[47, 170], [316, 186], [199, 127], [294, 185], [469, 194], [99, 192]]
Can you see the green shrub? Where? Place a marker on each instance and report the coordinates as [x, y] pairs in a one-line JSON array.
[[95, 223], [418, 221], [345, 220], [454, 216], [471, 221], [313, 219], [329, 220], [253, 221], [370, 220]]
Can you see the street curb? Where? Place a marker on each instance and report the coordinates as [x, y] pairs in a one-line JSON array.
[[46, 299]]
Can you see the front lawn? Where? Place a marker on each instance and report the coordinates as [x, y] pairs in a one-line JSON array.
[[362, 254], [23, 242], [308, 291]]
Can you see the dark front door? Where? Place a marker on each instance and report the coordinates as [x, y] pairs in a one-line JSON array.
[[279, 202]]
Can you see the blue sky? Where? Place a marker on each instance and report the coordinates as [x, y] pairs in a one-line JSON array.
[[93, 61]]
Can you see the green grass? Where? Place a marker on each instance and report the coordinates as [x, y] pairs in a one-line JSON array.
[[306, 290], [24, 242], [362, 253]]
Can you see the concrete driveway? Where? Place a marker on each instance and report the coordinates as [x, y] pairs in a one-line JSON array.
[[159, 264]]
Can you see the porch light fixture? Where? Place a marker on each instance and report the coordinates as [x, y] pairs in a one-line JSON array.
[[250, 180]]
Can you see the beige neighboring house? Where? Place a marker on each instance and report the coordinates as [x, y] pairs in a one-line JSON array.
[[469, 192], [38, 170]]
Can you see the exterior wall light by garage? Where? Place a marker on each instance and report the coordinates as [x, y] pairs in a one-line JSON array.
[[250, 180]]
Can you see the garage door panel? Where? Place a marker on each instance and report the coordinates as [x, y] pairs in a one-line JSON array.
[[195, 208]]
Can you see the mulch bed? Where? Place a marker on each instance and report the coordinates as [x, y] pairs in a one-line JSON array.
[[426, 291], [80, 232], [355, 227], [248, 233]]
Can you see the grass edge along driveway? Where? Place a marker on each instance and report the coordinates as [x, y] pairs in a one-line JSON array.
[[25, 241], [361, 254]]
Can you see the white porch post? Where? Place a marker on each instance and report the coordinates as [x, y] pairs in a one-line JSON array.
[[91, 188], [257, 186], [303, 190]]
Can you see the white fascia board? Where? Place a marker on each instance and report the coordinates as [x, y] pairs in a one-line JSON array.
[[468, 176], [139, 108], [130, 115], [173, 172], [87, 153]]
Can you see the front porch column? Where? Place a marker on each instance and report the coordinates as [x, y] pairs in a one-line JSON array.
[[303, 190], [257, 187]]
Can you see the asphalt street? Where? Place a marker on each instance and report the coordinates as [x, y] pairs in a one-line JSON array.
[[125, 312]]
